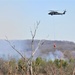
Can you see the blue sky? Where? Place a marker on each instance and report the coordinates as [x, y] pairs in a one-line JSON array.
[[17, 17]]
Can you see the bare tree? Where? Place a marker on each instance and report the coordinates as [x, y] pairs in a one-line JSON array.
[[29, 61], [33, 34], [15, 48]]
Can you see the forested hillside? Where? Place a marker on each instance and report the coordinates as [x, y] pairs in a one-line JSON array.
[[24, 46]]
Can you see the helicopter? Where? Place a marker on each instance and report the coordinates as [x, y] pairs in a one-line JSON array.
[[52, 12]]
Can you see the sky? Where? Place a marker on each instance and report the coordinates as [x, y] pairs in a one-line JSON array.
[[19, 17]]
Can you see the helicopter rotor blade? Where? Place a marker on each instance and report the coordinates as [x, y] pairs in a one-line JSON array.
[[53, 10]]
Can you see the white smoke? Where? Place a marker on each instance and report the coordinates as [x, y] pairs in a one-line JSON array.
[[58, 54], [55, 55]]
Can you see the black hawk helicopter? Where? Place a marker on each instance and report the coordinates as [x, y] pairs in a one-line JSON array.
[[52, 12]]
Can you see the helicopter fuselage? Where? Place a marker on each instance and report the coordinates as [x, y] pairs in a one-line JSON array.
[[56, 13]]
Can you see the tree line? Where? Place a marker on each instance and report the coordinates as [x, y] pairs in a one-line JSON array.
[[40, 66]]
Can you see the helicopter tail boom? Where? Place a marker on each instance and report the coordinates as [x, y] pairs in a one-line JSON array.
[[64, 12]]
